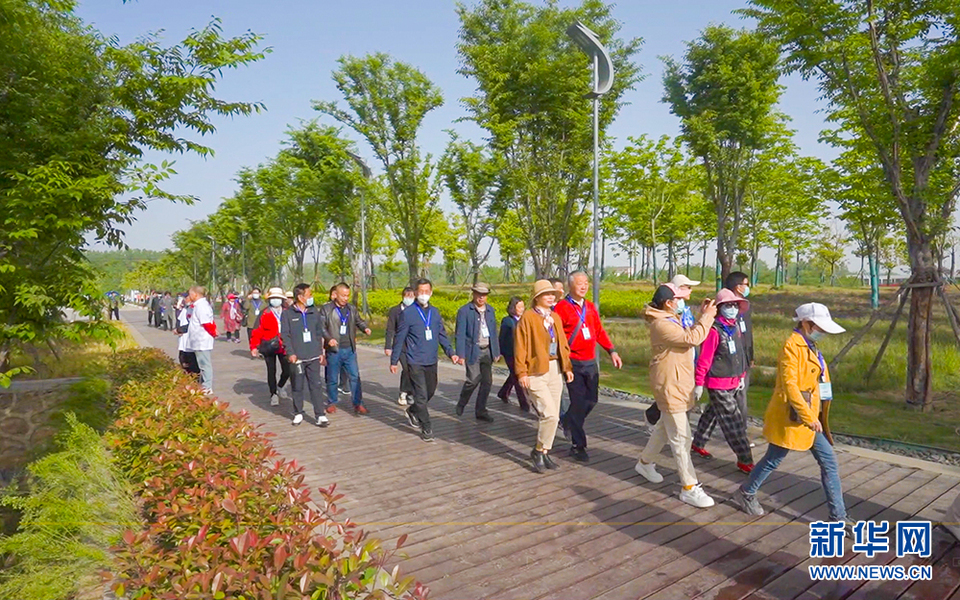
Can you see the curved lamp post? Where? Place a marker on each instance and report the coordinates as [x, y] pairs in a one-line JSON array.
[[602, 82], [363, 231]]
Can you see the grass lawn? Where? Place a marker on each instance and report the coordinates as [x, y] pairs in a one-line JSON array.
[[873, 408]]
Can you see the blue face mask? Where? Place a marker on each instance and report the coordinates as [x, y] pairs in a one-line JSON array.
[[815, 335], [729, 311], [309, 301], [407, 301], [681, 306]]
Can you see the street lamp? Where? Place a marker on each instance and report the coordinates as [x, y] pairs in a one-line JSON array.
[[243, 257], [367, 173], [602, 82], [213, 264]]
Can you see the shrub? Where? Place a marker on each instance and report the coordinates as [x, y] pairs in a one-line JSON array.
[[75, 509], [228, 518]]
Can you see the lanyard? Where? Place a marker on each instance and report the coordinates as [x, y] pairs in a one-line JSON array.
[[728, 330], [581, 312], [550, 327], [343, 319], [304, 314], [813, 348], [426, 318], [256, 304]]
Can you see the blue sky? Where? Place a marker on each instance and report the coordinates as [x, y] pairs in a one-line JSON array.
[[307, 37]]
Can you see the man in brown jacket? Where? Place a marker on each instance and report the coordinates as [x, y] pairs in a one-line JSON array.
[[672, 382]]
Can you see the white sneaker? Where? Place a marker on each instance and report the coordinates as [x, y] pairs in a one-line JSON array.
[[274, 400], [753, 444], [323, 421], [695, 496], [649, 472], [402, 400], [298, 419]]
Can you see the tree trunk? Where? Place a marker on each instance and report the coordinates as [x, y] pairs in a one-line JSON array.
[[413, 266], [671, 260], [953, 262], [753, 266], [923, 271], [656, 271], [798, 267], [874, 280], [703, 263]]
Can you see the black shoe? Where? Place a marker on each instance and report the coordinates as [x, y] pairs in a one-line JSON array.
[[412, 419], [579, 454], [460, 408], [539, 464], [485, 417], [426, 435], [505, 399], [525, 408], [549, 462]]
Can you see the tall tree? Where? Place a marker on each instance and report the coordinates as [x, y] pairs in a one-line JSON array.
[[531, 80], [888, 70], [725, 92], [387, 101]]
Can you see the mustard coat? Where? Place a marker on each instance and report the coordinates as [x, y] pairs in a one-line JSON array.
[[795, 404]]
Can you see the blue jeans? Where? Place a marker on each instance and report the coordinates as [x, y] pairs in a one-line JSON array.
[[829, 473], [344, 358], [205, 362]]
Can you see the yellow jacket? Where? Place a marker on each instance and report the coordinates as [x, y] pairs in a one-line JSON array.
[[795, 404], [671, 362]]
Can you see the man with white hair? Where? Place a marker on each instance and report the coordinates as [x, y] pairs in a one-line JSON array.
[[583, 329]]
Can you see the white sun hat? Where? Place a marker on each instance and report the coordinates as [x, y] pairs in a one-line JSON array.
[[684, 280], [819, 315]]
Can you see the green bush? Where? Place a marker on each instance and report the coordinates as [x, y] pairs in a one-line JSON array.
[[75, 508]]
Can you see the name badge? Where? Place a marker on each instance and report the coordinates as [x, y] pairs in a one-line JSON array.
[[826, 391], [586, 332], [307, 338], [732, 346], [743, 326], [553, 348], [428, 335], [256, 312], [343, 330]]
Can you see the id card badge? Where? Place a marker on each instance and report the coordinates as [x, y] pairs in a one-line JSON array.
[[256, 313], [732, 346], [484, 331], [307, 337], [826, 391], [553, 348], [586, 332], [743, 326], [343, 330], [428, 335]]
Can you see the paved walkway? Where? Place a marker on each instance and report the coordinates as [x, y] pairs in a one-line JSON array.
[[481, 524]]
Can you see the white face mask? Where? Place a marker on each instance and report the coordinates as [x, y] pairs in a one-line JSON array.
[[407, 301], [255, 296], [423, 299], [275, 302], [729, 311], [681, 305]]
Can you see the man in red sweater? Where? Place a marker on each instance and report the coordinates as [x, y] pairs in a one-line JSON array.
[[581, 325]]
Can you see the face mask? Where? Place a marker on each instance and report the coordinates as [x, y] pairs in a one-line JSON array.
[[407, 301], [423, 299], [309, 301], [746, 291], [729, 311], [275, 302], [681, 306], [816, 336], [255, 296]]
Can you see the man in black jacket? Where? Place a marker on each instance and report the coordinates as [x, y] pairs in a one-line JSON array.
[[302, 331], [393, 323], [342, 322]]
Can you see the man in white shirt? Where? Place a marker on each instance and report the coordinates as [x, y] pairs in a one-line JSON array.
[[201, 331]]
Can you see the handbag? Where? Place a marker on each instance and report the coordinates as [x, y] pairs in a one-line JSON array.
[[271, 346]]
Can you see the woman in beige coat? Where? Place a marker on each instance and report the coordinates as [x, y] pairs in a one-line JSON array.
[[541, 354], [672, 382]]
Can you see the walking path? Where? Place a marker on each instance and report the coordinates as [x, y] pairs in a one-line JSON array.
[[482, 524]]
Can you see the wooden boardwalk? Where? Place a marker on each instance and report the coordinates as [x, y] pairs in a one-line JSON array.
[[482, 524]]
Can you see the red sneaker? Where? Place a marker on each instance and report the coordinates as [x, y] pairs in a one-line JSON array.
[[703, 453], [360, 410], [331, 409], [745, 467]]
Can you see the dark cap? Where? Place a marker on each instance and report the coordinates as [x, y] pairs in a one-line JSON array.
[[663, 294]]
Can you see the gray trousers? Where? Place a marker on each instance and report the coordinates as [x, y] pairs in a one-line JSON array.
[[479, 375], [205, 362]]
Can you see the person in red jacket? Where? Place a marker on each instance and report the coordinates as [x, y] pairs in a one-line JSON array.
[[264, 334], [583, 329]]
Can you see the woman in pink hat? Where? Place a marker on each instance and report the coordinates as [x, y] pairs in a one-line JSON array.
[[232, 314], [720, 369]]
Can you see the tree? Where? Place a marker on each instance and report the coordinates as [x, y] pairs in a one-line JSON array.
[[829, 252], [77, 113], [387, 101], [531, 81], [724, 94], [471, 178], [888, 72]]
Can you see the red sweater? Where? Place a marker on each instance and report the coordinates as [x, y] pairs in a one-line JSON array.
[[580, 348], [269, 328]]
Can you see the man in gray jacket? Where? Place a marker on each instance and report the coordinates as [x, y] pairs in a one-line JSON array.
[[342, 322], [302, 331], [479, 347]]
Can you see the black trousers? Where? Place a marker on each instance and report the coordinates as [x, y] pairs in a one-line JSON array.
[[305, 378], [188, 360], [513, 383], [479, 375], [271, 360], [424, 379], [406, 385], [584, 393], [115, 313]]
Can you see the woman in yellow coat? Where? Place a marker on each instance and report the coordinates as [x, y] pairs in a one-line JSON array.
[[792, 421]]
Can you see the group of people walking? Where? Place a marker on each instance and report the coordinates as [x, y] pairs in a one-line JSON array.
[[548, 346]]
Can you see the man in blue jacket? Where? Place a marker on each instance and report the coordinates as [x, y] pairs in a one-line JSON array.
[[479, 347], [420, 335]]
